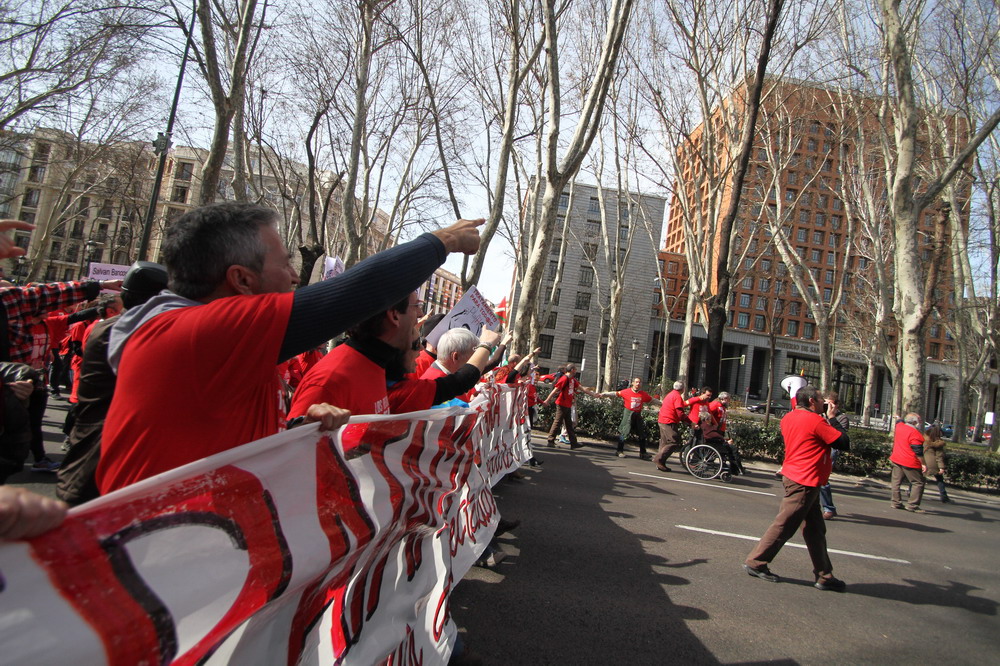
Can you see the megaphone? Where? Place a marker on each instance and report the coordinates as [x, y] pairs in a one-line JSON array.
[[792, 384]]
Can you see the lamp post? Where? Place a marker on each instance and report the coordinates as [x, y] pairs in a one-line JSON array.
[[635, 348]]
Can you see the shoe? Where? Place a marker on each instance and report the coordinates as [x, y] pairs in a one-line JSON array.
[[505, 526], [778, 476], [563, 440], [830, 584], [45, 465], [896, 506], [645, 456], [578, 445], [662, 468], [915, 509], [621, 455], [763, 573], [829, 515], [945, 500], [551, 444]]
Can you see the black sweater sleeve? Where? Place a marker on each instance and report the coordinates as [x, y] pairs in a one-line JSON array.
[[324, 310], [457, 383]]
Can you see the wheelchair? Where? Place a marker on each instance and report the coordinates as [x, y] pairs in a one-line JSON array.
[[714, 458]]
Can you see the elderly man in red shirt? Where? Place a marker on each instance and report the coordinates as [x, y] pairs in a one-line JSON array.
[[907, 460], [808, 438], [671, 416]]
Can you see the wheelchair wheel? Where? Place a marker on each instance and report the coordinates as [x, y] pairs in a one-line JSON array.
[[703, 461], [726, 477]]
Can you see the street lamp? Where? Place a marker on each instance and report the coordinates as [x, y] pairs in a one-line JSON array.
[[631, 370]]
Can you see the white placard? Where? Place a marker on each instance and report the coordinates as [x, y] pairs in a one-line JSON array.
[[471, 312], [107, 271], [332, 267]]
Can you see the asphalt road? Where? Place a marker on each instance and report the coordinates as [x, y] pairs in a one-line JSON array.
[[615, 562]]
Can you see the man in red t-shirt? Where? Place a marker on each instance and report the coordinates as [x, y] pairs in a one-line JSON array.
[[197, 364], [907, 460], [671, 416], [808, 439], [634, 398], [564, 393]]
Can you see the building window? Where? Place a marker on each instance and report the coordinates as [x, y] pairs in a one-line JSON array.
[[593, 228], [671, 285], [742, 320], [582, 300], [744, 300], [792, 177], [934, 349], [828, 277], [818, 237], [555, 297], [36, 173], [623, 232], [595, 205], [763, 285], [545, 343], [827, 294], [801, 235], [831, 258], [671, 267], [575, 351], [811, 145], [55, 251], [180, 194], [556, 246], [816, 255], [590, 251], [579, 325], [838, 204], [834, 240], [808, 330], [758, 322], [31, 197], [586, 276], [835, 221], [793, 308], [184, 171], [72, 251], [762, 303], [748, 282], [550, 322], [553, 269], [563, 201], [793, 328]]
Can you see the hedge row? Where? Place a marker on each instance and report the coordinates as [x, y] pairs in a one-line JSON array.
[[869, 454]]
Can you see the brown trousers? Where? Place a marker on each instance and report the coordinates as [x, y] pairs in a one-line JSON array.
[[800, 506], [670, 441], [916, 479], [562, 416]]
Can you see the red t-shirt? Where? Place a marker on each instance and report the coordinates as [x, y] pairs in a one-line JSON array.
[[566, 386], [719, 414], [424, 361], [532, 395], [807, 438], [58, 324], [634, 400], [412, 395], [193, 382], [433, 372], [77, 362], [345, 378], [903, 438], [672, 410]]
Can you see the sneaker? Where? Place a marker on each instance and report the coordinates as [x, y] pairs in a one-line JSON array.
[[578, 445], [621, 454], [896, 506], [915, 509], [830, 584], [763, 573], [662, 468], [505, 526], [45, 465], [563, 440]]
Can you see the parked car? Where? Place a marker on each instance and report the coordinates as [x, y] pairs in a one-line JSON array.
[[776, 408], [947, 430]]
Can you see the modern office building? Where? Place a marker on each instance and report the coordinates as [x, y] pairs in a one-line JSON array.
[[576, 289]]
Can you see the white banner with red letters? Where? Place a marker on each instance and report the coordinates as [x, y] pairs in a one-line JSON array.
[[301, 548]]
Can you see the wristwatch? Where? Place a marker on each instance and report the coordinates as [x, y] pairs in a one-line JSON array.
[[483, 345]]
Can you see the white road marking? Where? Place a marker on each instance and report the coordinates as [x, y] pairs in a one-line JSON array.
[[747, 537], [699, 483]]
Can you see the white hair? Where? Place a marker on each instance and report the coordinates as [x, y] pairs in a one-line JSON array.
[[460, 340], [678, 386], [723, 395]]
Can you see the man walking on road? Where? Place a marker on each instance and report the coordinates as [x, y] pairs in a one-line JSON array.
[[907, 462], [635, 398], [669, 420], [808, 441], [564, 393]]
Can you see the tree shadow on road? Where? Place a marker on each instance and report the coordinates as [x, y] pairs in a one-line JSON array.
[[879, 521], [952, 595], [577, 588]]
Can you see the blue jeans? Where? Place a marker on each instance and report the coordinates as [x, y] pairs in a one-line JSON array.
[[825, 493]]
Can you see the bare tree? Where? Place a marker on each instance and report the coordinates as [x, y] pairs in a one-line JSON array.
[[559, 172]]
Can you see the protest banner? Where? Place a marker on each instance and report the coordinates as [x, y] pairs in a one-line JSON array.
[[301, 548], [471, 312]]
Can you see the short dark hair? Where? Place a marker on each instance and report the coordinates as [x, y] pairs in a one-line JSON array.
[[373, 326], [201, 245], [806, 394]]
